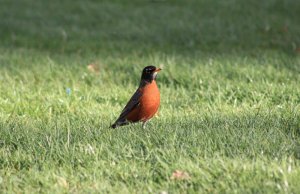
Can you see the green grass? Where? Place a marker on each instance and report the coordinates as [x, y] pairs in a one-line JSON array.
[[230, 110]]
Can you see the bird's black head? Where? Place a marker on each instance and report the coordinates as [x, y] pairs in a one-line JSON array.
[[149, 73]]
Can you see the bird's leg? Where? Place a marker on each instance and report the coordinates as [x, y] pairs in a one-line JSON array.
[[144, 124]]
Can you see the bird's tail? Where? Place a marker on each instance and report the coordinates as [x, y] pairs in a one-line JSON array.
[[114, 126], [119, 123]]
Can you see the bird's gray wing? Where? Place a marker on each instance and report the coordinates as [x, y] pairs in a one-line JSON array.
[[132, 104]]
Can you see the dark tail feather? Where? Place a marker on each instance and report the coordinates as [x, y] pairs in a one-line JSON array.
[[118, 124], [114, 126]]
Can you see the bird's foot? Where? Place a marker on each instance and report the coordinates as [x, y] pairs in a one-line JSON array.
[[144, 124]]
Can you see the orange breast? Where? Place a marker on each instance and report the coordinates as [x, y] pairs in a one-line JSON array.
[[149, 104]]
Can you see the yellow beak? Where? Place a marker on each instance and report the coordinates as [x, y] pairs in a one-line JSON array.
[[157, 69]]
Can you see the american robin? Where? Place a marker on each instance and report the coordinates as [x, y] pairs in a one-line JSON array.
[[144, 103]]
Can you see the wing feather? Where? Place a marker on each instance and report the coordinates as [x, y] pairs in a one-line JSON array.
[[131, 105]]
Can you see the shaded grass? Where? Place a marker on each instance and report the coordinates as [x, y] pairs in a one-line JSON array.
[[165, 26]]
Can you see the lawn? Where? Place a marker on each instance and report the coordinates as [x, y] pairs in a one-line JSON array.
[[229, 120]]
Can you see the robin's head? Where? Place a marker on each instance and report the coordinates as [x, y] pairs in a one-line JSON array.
[[149, 73]]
